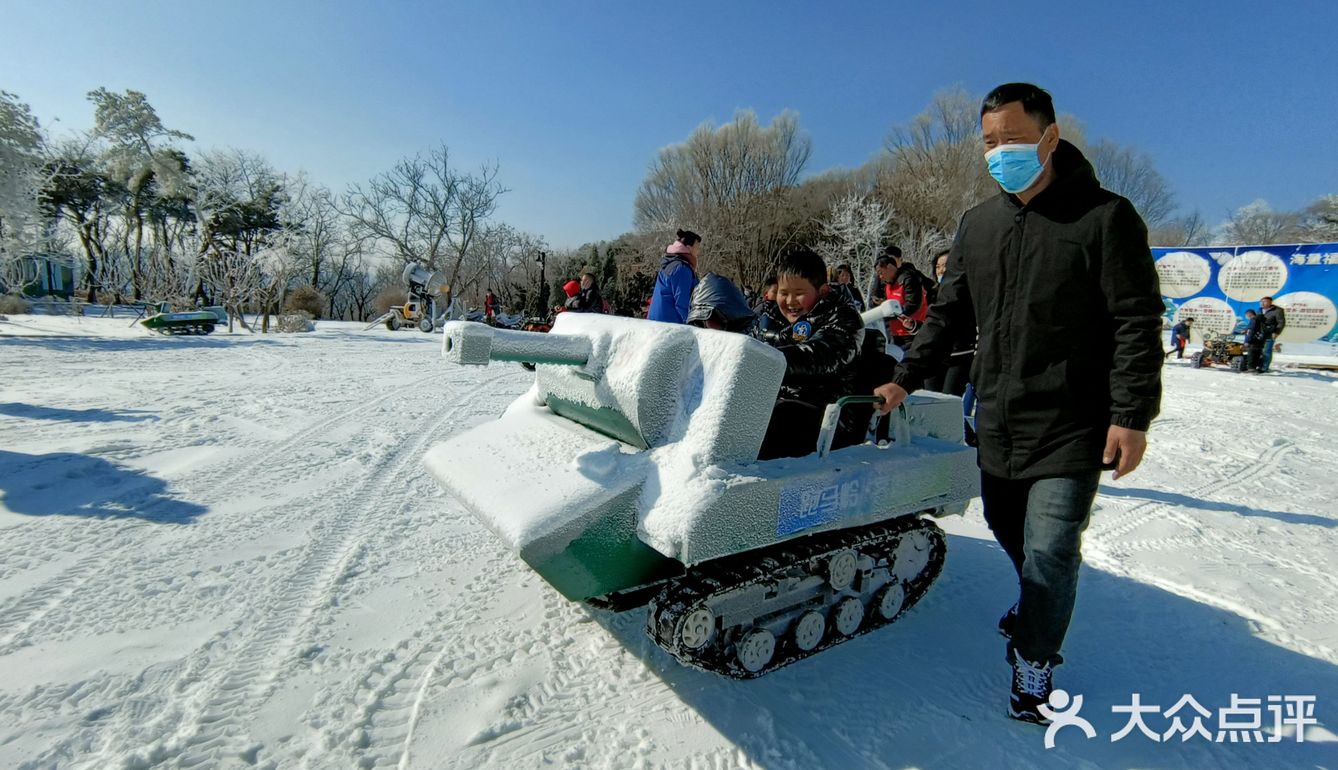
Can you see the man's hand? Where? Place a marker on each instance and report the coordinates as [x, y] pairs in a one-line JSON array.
[[893, 394], [1125, 448]]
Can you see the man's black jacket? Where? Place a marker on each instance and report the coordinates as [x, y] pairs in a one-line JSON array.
[[1275, 320], [587, 301], [820, 367], [1065, 295], [914, 287]]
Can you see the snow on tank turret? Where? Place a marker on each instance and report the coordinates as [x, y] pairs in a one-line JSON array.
[[628, 474]]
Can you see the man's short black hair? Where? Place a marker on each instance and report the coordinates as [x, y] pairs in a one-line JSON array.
[[770, 281], [806, 264], [1250, 311], [1035, 101], [892, 251], [884, 261]]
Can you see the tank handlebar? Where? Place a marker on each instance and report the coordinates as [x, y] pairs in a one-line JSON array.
[[475, 344]]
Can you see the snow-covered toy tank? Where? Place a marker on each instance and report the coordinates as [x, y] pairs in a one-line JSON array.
[[629, 473]]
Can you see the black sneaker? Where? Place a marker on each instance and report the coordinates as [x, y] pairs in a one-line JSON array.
[[1032, 684], [1008, 622]]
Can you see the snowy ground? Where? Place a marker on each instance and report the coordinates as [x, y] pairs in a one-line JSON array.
[[224, 552]]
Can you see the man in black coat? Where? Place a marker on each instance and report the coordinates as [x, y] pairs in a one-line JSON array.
[[1056, 274], [1275, 320], [588, 299]]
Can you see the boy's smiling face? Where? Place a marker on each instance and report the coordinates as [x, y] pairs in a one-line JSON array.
[[796, 296]]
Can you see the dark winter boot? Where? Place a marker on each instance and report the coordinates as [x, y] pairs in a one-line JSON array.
[[1008, 622], [1032, 683]]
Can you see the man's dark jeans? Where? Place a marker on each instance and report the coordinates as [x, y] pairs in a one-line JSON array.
[[1039, 523]]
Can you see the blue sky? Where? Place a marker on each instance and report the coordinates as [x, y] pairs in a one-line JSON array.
[[1234, 100]]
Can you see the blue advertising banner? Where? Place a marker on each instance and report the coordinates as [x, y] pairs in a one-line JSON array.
[[1216, 285]]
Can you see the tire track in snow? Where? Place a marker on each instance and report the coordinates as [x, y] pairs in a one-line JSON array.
[[1142, 513], [252, 679], [393, 687], [220, 679], [22, 613]]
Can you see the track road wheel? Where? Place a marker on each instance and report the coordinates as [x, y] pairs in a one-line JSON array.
[[890, 600], [841, 569], [755, 649], [425, 325], [808, 630], [848, 615], [696, 629]]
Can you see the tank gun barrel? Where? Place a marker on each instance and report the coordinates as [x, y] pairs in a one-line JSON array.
[[475, 344]]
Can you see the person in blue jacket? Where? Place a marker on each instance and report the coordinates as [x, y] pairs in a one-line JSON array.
[[676, 280]]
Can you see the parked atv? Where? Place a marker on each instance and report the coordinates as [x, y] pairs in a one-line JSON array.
[[1220, 350]]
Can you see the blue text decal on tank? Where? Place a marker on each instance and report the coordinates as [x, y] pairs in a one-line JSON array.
[[806, 504], [801, 331]]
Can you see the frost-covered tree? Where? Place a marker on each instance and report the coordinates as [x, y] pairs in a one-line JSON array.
[[234, 278], [1188, 230], [1132, 173], [1321, 219], [933, 171], [425, 210], [238, 198], [1257, 224], [729, 185], [140, 158], [21, 147], [854, 231]]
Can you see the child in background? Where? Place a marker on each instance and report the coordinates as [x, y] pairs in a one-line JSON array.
[[820, 336]]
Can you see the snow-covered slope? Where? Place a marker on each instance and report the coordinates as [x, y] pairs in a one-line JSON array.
[[225, 552]]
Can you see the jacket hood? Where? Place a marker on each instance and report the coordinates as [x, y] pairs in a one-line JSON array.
[[670, 259], [717, 294]]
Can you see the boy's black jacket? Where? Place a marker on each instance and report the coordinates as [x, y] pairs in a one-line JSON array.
[[821, 368], [1065, 294]]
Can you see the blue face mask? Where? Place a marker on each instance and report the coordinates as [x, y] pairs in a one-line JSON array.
[[1015, 166]]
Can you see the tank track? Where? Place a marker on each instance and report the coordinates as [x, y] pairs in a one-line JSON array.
[[749, 614]]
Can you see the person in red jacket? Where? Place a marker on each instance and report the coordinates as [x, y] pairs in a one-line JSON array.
[[906, 285], [490, 308]]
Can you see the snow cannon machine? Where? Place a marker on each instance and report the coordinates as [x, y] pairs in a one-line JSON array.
[[628, 474]]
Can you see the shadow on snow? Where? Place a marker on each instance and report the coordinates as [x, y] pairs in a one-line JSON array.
[[74, 415], [930, 690], [1185, 501], [121, 344], [68, 484]]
